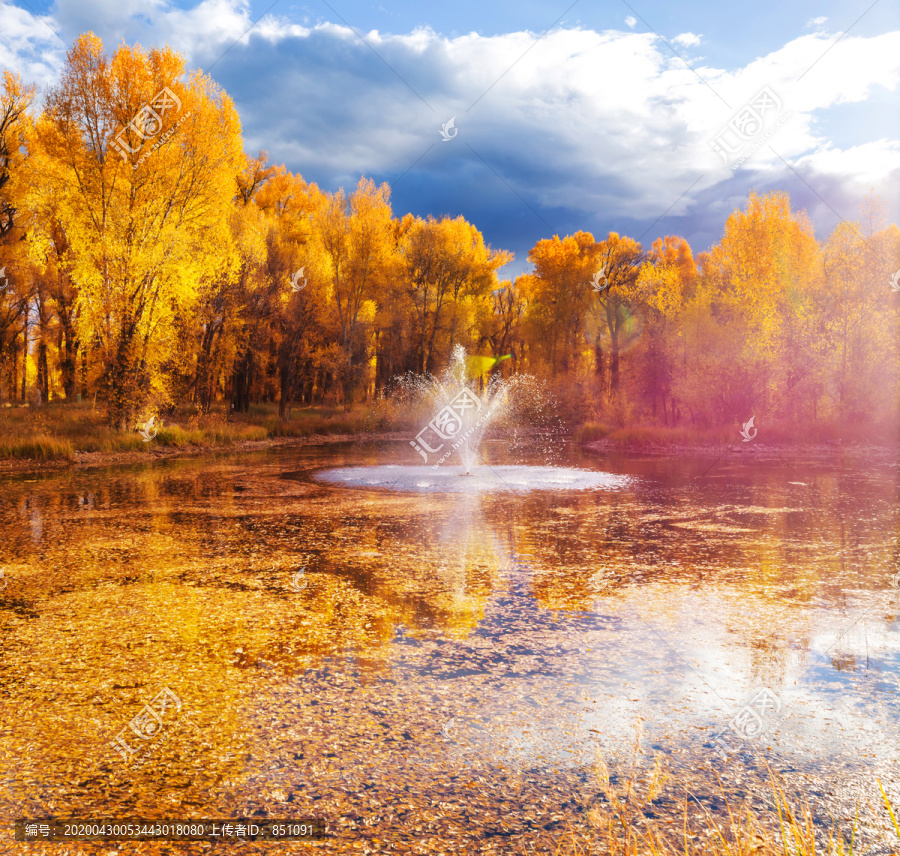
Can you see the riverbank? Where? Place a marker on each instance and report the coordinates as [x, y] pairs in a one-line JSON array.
[[151, 453], [83, 460], [773, 433], [65, 435], [752, 450], [68, 435]]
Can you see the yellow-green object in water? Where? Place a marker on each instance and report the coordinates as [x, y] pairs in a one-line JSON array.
[[478, 366]]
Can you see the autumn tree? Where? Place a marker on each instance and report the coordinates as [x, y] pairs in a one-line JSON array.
[[15, 286], [447, 269], [761, 275], [215, 332], [856, 321], [296, 271], [503, 325], [355, 239], [15, 100], [559, 296], [665, 289], [141, 164], [618, 259]]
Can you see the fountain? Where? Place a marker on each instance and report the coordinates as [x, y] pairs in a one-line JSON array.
[[462, 405], [462, 413]]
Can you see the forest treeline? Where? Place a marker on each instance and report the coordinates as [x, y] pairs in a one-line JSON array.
[[147, 260]]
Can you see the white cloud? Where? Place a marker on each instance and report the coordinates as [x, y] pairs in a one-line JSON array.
[[631, 21], [816, 22], [29, 46], [689, 40], [581, 121], [862, 166]]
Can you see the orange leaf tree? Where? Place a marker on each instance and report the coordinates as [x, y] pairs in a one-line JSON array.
[[141, 162]]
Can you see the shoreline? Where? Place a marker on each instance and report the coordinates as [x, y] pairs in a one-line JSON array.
[[755, 451], [89, 460]]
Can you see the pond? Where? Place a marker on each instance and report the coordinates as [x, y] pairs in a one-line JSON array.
[[433, 670]]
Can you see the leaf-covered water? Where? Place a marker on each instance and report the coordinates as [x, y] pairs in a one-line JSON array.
[[435, 672]]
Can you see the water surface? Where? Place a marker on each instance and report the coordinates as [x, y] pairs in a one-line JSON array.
[[436, 670]]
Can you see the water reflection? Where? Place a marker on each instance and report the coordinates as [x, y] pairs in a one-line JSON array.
[[543, 625]]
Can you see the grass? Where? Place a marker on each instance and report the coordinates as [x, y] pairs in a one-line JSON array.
[[60, 430], [620, 826], [311, 421], [40, 448], [779, 433], [649, 435], [788, 832]]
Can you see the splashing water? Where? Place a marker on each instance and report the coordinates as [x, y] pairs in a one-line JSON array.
[[463, 407], [452, 414]]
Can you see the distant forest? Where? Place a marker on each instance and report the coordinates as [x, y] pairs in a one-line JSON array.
[[147, 260]]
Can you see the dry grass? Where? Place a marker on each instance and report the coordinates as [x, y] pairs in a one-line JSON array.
[[309, 421], [655, 435], [60, 430], [620, 826], [774, 433], [39, 448]]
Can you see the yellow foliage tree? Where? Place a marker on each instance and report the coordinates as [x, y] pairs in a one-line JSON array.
[[140, 164], [448, 269], [620, 259], [559, 295], [355, 238], [15, 100], [762, 275]]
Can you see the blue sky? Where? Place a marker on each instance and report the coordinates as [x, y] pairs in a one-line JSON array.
[[604, 122]]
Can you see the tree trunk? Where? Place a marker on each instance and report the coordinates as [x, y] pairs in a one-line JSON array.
[[84, 372], [13, 372], [287, 369], [68, 357], [121, 403], [203, 380], [614, 362], [25, 363], [43, 380], [242, 377], [284, 400]]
